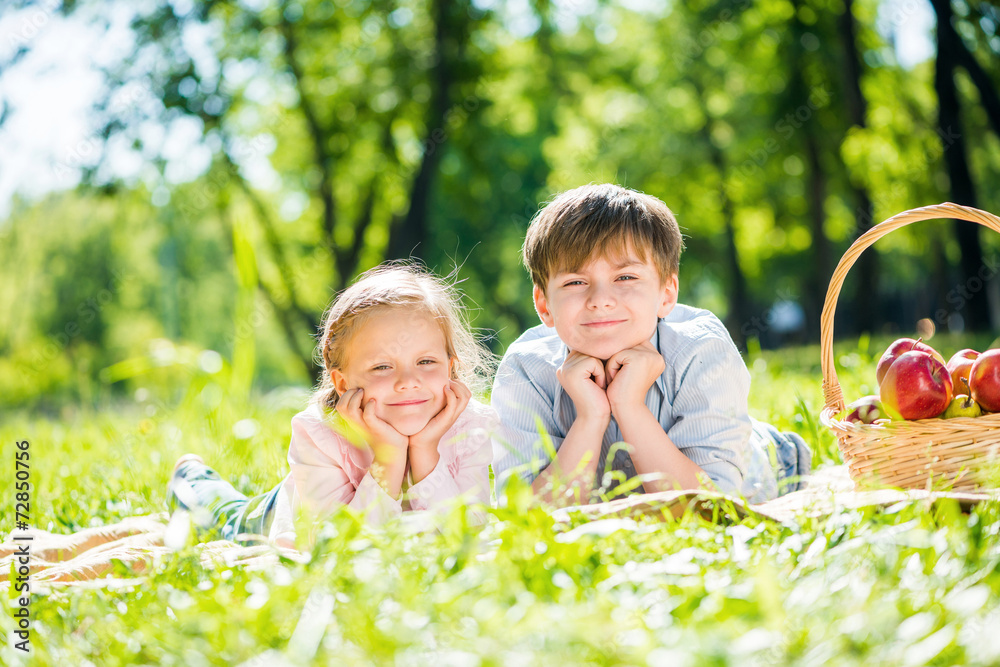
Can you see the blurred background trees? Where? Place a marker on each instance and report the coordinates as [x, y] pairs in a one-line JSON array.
[[285, 146]]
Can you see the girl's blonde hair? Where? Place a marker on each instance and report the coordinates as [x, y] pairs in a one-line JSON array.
[[400, 285]]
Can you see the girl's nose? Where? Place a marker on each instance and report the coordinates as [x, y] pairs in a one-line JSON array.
[[407, 379]]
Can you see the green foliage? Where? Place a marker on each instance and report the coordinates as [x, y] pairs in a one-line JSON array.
[[907, 585], [340, 134]]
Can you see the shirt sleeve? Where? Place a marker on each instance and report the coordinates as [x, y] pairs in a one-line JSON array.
[[712, 424], [283, 524], [464, 472], [317, 460], [525, 411]]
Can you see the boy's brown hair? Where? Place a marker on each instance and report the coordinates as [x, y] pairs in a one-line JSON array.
[[603, 220]]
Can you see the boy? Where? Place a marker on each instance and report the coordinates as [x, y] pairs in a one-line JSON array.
[[618, 359]]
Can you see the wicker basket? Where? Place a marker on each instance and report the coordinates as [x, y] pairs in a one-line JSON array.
[[909, 454]]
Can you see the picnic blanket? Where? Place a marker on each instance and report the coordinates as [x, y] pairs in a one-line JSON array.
[[828, 490], [103, 554], [120, 554]]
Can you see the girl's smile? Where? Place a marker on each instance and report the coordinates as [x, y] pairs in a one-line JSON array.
[[400, 359]]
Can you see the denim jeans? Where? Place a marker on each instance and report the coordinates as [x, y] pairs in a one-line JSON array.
[[777, 463], [234, 516]]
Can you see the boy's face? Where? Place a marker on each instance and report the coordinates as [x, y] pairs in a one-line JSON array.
[[607, 305]]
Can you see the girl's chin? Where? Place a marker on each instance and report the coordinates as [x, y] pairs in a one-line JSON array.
[[409, 427], [412, 423]]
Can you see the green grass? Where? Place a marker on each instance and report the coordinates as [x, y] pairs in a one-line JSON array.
[[904, 586]]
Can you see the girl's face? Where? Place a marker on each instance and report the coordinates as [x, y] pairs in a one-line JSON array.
[[399, 358]]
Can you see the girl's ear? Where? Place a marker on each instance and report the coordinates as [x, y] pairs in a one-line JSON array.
[[339, 381], [451, 368]]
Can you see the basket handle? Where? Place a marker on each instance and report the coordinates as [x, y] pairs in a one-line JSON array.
[[831, 385]]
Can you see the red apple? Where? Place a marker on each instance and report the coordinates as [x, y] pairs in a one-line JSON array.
[[916, 386], [897, 348], [865, 410], [984, 380], [959, 366]]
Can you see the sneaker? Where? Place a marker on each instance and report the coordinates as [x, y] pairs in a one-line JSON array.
[[180, 495]]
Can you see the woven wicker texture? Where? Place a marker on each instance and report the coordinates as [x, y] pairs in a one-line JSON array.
[[907, 454]]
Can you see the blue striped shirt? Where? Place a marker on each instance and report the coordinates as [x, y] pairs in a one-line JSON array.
[[700, 400]]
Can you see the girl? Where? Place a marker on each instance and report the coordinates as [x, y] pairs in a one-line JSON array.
[[392, 426]]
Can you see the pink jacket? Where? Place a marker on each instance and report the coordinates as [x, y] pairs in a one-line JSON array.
[[327, 471]]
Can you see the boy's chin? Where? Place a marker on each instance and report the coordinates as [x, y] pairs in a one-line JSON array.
[[604, 352]]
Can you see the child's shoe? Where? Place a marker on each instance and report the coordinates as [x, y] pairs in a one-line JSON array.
[[180, 495]]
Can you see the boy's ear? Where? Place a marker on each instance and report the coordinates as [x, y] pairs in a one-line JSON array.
[[339, 381], [542, 306], [669, 296]]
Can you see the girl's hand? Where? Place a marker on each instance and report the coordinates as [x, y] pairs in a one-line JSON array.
[[386, 442], [456, 398]]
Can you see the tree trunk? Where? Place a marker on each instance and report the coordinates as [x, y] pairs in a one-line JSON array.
[[821, 271], [287, 315], [975, 306], [866, 295], [815, 188], [319, 134], [988, 95], [740, 309], [408, 238]]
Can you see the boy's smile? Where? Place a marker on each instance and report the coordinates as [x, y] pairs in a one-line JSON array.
[[607, 305]]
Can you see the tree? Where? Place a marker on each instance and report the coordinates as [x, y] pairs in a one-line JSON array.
[[963, 190], [367, 93], [866, 294]]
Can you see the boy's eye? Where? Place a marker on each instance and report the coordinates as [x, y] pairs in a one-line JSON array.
[[627, 278], [573, 282]]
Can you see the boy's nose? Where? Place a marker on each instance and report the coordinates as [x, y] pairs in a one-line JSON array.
[[600, 297]]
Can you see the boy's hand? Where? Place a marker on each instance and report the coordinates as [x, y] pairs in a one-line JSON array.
[[585, 380], [456, 398], [631, 373]]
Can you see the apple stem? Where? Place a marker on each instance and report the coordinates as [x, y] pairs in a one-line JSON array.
[[968, 390], [915, 343]]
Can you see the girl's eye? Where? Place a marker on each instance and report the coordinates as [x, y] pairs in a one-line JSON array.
[[381, 367], [427, 361]]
